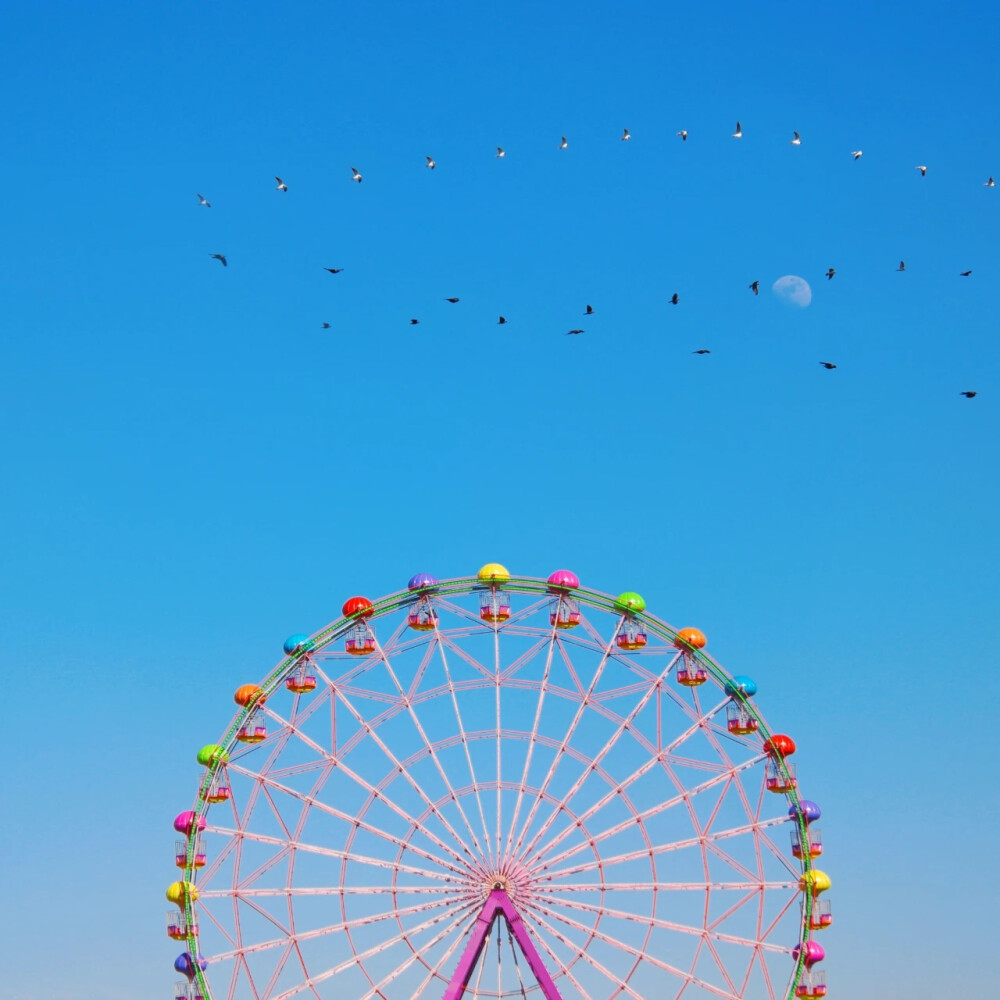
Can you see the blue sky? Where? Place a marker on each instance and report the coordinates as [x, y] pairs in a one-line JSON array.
[[196, 469]]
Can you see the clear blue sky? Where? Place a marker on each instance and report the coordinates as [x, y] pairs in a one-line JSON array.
[[195, 469]]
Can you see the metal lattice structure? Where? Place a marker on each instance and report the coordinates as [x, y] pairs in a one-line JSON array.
[[498, 788]]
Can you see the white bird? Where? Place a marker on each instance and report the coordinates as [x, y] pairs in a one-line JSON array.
[[282, 186], [202, 200], [797, 141], [564, 144], [501, 153], [990, 183], [683, 134], [626, 135], [923, 171], [857, 154], [355, 175], [430, 164], [738, 134]]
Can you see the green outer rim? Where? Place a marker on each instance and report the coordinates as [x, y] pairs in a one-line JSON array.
[[467, 585]]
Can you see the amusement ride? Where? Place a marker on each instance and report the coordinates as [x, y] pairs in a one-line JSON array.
[[493, 787]]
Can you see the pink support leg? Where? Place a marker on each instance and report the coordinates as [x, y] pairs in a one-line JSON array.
[[498, 904]]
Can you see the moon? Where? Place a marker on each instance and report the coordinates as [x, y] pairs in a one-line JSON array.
[[793, 291]]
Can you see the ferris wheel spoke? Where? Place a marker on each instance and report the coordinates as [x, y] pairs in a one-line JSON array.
[[312, 801], [561, 968], [604, 911], [464, 737], [414, 957], [618, 788], [668, 886], [639, 818], [404, 773], [435, 971], [332, 852], [379, 793], [358, 958], [640, 955], [407, 700], [657, 849], [620, 982], [519, 850], [340, 927], [609, 745], [529, 755]]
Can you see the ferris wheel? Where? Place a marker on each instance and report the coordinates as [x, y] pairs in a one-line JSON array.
[[498, 787]]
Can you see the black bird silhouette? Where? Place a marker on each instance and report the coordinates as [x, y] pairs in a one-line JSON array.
[[451, 300], [674, 299], [414, 322], [221, 257], [828, 365], [501, 320], [573, 332], [333, 270], [755, 287], [589, 310], [964, 274], [326, 326], [703, 350], [902, 266], [969, 394], [830, 273]]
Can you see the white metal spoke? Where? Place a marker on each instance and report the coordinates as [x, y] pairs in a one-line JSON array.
[[642, 816], [665, 924], [557, 758], [627, 782], [430, 749], [641, 956]]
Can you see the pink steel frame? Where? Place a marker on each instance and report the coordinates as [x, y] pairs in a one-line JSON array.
[[541, 853], [498, 904]]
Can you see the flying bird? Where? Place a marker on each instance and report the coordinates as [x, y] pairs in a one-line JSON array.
[[452, 301], [990, 183], [589, 311], [797, 141], [430, 164], [923, 171], [573, 333], [754, 287], [738, 134], [355, 175], [414, 322], [564, 144], [964, 274], [703, 350], [902, 266], [830, 273], [221, 258], [626, 135], [282, 186], [969, 394], [500, 153], [857, 154], [333, 270], [326, 326], [501, 321], [202, 200], [674, 299], [828, 365], [683, 134]]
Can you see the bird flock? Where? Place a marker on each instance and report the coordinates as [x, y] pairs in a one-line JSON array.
[[674, 299]]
